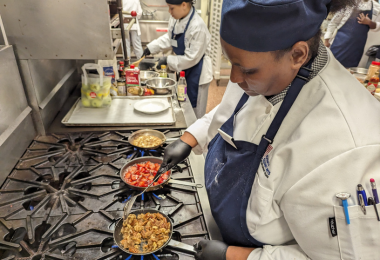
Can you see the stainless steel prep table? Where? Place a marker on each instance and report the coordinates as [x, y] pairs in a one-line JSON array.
[[185, 118]]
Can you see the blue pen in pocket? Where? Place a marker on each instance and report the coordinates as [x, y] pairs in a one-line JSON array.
[[361, 191], [374, 191]]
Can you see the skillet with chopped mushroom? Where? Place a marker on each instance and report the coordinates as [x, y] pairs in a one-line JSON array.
[[145, 233]]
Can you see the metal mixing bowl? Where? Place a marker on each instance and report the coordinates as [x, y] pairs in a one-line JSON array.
[[146, 74], [161, 86]]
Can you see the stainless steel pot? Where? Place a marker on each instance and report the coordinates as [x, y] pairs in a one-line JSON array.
[[146, 74], [161, 86]]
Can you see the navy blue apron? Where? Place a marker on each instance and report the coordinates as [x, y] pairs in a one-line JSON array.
[[349, 43], [193, 74], [230, 172]]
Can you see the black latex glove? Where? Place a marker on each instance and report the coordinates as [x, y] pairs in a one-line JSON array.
[[174, 153], [162, 61], [146, 52], [210, 250]]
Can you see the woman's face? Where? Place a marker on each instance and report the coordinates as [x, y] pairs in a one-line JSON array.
[[179, 11], [262, 73]]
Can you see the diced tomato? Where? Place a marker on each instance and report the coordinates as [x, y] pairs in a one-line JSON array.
[[143, 184], [142, 174], [132, 183]]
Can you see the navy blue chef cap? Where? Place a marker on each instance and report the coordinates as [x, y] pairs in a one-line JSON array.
[[177, 2], [270, 25]]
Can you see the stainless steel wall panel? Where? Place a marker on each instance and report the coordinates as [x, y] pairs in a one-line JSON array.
[[12, 95], [31, 96], [53, 104], [55, 29], [14, 141], [46, 74]]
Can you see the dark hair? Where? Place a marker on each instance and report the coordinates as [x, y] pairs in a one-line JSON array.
[[335, 6]]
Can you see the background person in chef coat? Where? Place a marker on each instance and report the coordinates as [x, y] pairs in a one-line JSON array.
[[134, 33], [272, 184], [191, 52], [351, 26]]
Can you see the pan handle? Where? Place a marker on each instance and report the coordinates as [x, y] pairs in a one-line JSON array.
[[185, 183], [181, 247]]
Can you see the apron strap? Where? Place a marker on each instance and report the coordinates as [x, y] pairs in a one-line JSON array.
[[295, 88]]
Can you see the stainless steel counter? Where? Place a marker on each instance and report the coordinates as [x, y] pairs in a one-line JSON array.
[[184, 114]]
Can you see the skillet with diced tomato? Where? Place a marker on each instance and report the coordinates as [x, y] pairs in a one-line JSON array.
[[142, 174]]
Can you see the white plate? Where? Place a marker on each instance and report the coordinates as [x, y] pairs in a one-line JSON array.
[[151, 106]]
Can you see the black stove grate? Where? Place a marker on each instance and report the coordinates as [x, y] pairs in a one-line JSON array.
[[64, 197]]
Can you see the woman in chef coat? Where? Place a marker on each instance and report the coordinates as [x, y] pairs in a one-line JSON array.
[[352, 25], [285, 139], [134, 33], [190, 40]]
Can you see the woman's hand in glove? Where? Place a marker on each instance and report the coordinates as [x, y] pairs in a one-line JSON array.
[[210, 250]]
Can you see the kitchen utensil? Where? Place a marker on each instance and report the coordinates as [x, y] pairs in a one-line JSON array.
[[358, 70], [131, 201], [147, 74], [161, 86], [147, 132], [151, 106], [118, 237], [137, 63], [153, 188]]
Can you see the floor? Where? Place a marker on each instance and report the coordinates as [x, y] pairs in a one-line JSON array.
[[215, 93]]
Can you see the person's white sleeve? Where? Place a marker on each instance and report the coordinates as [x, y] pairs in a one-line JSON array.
[[375, 16], [139, 10], [293, 252], [195, 50], [377, 27], [333, 25], [159, 44], [200, 131]]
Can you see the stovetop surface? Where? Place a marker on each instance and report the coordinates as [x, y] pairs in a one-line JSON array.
[[65, 195]]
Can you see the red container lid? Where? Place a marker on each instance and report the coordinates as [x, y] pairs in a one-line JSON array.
[[121, 62], [132, 66], [376, 63], [182, 73]]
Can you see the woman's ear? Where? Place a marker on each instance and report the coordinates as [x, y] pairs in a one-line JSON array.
[[300, 55]]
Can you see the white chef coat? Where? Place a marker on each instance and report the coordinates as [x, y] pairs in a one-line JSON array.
[[197, 42], [328, 143], [129, 6], [341, 17]]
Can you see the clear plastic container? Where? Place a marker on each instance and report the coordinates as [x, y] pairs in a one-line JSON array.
[[163, 72], [95, 91], [373, 68]]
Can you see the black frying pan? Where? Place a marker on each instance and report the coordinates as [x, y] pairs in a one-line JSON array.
[[153, 188], [117, 236]]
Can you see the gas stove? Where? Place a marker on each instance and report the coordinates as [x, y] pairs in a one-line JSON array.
[[64, 196]]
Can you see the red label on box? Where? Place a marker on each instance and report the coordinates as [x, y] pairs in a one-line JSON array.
[[132, 77]]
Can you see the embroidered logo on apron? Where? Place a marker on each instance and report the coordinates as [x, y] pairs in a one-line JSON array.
[[265, 161]]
